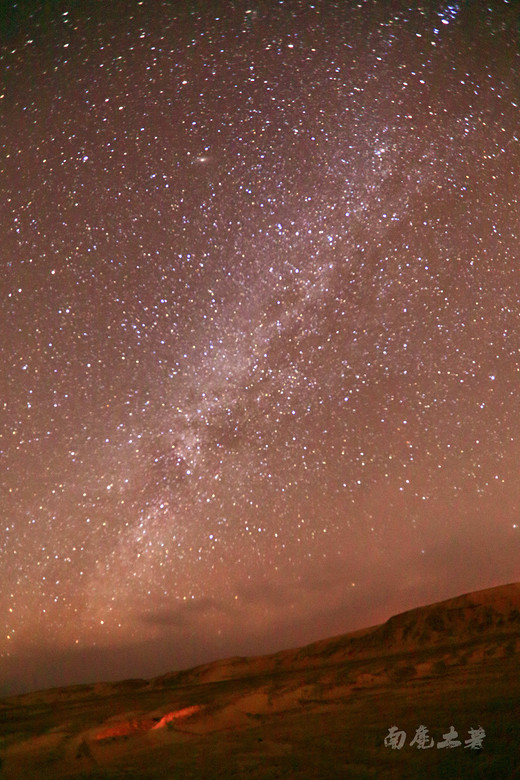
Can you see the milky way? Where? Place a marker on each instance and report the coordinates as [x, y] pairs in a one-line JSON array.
[[260, 324]]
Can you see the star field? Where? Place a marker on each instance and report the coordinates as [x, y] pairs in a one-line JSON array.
[[260, 324]]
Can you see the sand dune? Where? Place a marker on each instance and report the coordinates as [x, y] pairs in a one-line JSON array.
[[318, 711]]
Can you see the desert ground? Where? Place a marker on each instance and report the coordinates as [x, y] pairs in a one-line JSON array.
[[321, 711]]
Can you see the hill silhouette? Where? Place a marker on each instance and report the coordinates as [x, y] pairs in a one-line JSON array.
[[323, 710]]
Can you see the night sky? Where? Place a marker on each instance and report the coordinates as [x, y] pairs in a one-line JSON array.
[[260, 324]]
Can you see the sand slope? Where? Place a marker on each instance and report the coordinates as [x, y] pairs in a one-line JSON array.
[[318, 711]]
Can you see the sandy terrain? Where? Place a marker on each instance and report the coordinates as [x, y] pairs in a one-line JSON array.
[[321, 711]]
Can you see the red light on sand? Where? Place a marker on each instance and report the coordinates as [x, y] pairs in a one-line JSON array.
[[124, 728], [186, 712]]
